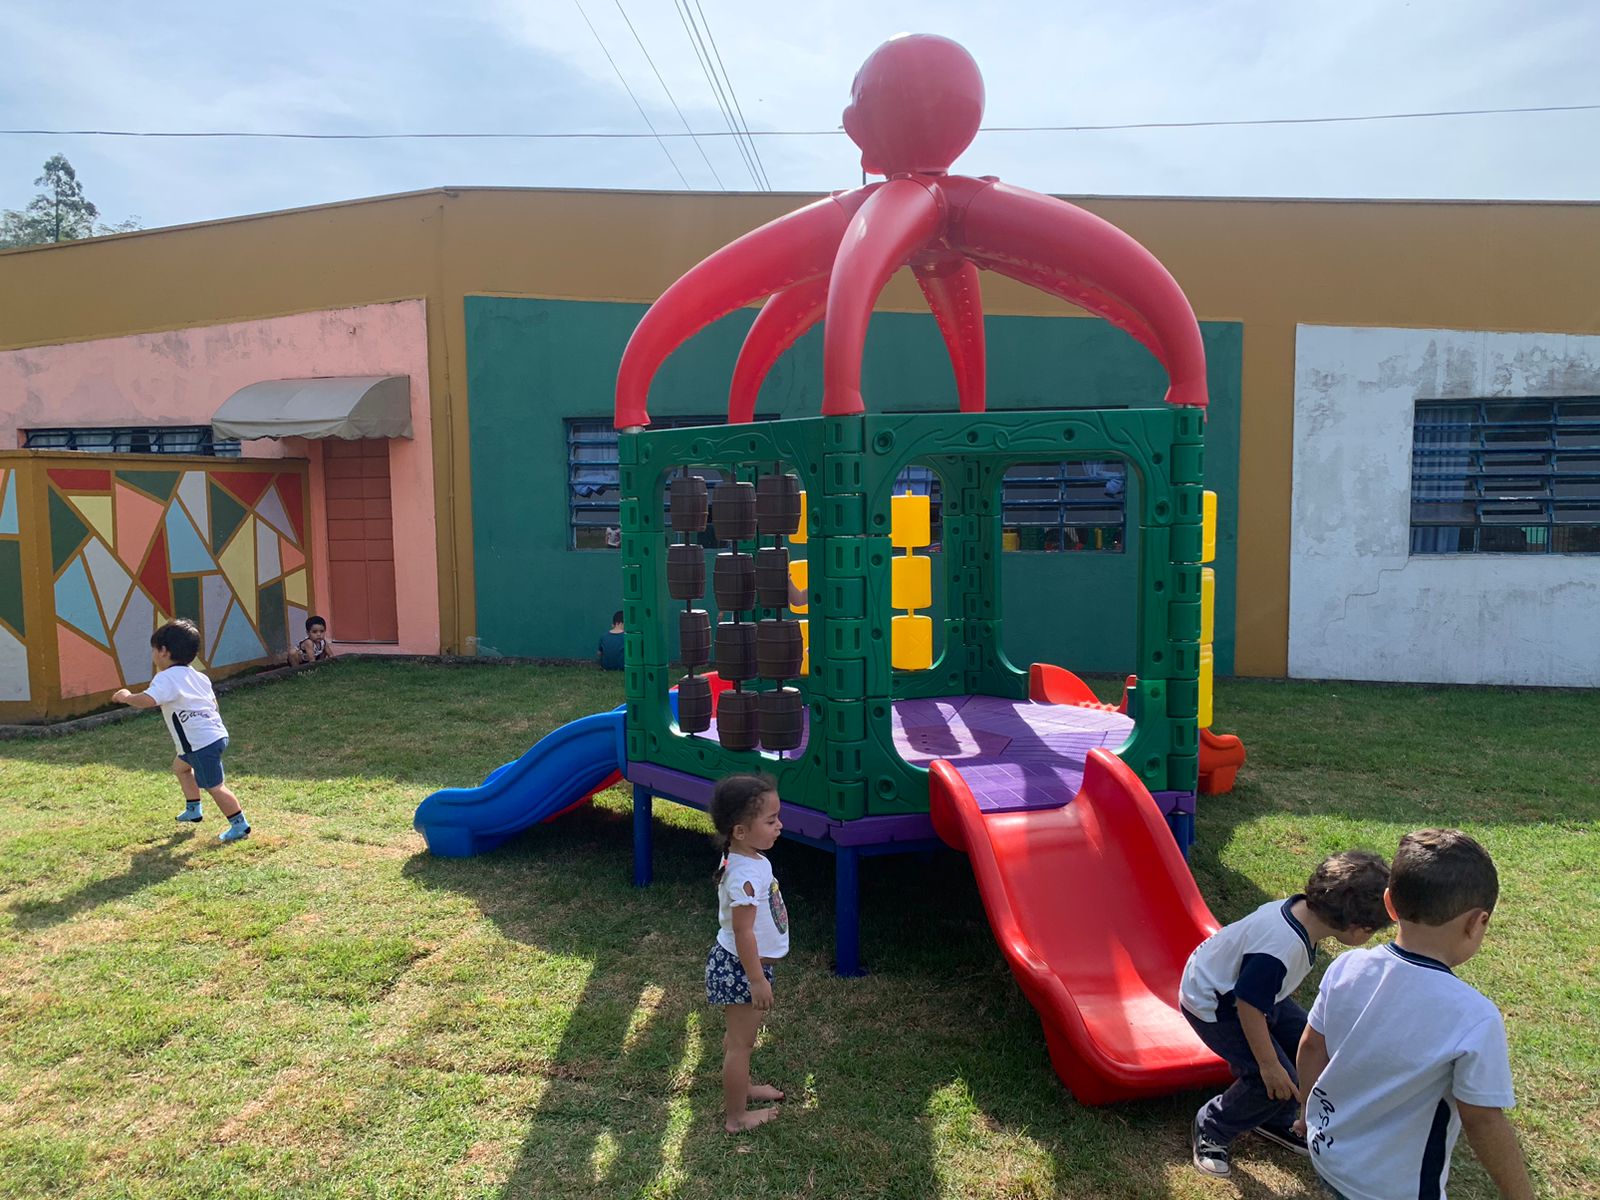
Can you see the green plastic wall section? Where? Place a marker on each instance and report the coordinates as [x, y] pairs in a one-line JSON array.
[[848, 467]]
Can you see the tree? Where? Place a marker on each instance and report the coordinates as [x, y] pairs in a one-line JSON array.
[[59, 213]]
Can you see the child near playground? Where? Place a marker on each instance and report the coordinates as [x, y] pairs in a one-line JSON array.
[[1236, 993], [753, 934], [314, 647], [189, 710], [1399, 1055], [609, 654]]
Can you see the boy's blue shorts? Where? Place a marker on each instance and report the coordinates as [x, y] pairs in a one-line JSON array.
[[726, 982], [207, 763]]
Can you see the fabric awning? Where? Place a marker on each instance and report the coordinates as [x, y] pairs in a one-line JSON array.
[[338, 406]]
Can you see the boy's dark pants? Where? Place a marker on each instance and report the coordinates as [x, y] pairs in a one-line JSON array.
[[1246, 1105]]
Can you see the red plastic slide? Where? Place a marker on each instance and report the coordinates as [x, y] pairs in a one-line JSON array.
[[1096, 912]]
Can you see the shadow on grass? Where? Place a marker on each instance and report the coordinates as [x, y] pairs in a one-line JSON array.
[[147, 867], [888, 1077]]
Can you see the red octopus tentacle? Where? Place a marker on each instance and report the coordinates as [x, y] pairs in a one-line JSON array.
[[1062, 249], [795, 246], [782, 320], [900, 218], [950, 284]]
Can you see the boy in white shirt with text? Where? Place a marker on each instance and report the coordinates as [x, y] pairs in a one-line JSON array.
[[189, 711], [1399, 1056]]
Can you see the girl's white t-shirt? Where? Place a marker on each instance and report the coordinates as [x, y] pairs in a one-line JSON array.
[[772, 918]]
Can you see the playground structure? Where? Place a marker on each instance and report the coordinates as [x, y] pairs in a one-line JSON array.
[[887, 730]]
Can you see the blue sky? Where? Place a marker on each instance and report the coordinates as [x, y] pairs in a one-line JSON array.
[[533, 65]]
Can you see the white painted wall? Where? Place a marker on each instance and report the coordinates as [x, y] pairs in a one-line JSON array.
[[1360, 607]]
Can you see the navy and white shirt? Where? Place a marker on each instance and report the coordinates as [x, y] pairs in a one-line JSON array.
[[1259, 959], [1407, 1041], [188, 708]]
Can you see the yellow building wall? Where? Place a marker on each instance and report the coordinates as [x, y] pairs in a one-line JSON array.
[[1269, 264]]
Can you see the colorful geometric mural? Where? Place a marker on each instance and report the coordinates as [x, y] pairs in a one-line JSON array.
[[132, 549], [13, 627]]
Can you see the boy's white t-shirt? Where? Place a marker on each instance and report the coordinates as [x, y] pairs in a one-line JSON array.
[[188, 707], [1260, 959], [1407, 1040], [772, 918]]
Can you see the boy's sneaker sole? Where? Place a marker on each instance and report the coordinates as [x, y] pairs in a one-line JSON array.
[[1290, 1141], [1210, 1159]]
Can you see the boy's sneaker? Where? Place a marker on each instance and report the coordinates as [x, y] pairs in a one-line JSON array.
[[191, 816], [1287, 1138], [1210, 1158], [236, 831]]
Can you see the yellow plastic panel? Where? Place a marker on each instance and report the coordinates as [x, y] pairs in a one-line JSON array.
[[805, 647], [800, 576], [1208, 605], [913, 643], [798, 537], [910, 521], [1206, 661], [913, 581], [1208, 513]]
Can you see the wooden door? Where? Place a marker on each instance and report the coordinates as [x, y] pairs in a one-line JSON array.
[[360, 541]]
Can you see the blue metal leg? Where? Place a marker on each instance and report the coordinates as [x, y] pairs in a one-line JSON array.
[[643, 829], [847, 913]]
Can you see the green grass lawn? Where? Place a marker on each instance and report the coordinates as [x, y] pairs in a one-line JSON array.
[[325, 1010]]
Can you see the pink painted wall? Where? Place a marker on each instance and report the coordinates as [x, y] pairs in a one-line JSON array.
[[182, 376]]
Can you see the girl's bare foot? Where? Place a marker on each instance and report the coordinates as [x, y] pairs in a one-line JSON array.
[[747, 1121], [765, 1091]]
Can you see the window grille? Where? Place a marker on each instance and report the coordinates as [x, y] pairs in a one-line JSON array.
[[1506, 477], [133, 439]]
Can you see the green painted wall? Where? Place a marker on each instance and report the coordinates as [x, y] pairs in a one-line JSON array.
[[533, 364]]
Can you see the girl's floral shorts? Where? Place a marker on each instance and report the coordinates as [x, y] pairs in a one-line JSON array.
[[726, 982]]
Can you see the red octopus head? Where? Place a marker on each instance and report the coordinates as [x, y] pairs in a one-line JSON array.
[[916, 105]]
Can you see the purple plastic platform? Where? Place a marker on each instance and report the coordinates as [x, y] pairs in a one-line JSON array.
[[1014, 754]]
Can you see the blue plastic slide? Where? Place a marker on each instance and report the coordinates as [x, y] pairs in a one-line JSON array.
[[561, 769]]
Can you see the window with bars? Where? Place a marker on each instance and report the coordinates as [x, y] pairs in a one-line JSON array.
[[1069, 505], [593, 499], [133, 439], [1506, 477], [1055, 506]]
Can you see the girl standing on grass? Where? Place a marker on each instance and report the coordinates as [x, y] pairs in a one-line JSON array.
[[754, 934]]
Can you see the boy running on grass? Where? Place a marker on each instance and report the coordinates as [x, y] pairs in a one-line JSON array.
[[189, 711]]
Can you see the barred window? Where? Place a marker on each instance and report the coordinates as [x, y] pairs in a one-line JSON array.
[[133, 439], [593, 479], [1056, 506], [1506, 477]]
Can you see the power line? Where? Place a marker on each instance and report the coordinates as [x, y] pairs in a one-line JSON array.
[[576, 135], [728, 79], [631, 96], [704, 59], [668, 91]]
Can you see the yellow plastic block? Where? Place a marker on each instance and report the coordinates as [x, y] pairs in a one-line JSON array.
[[798, 537], [1206, 661], [805, 647], [800, 576], [1208, 604], [912, 581], [910, 521], [1208, 513], [913, 643]]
